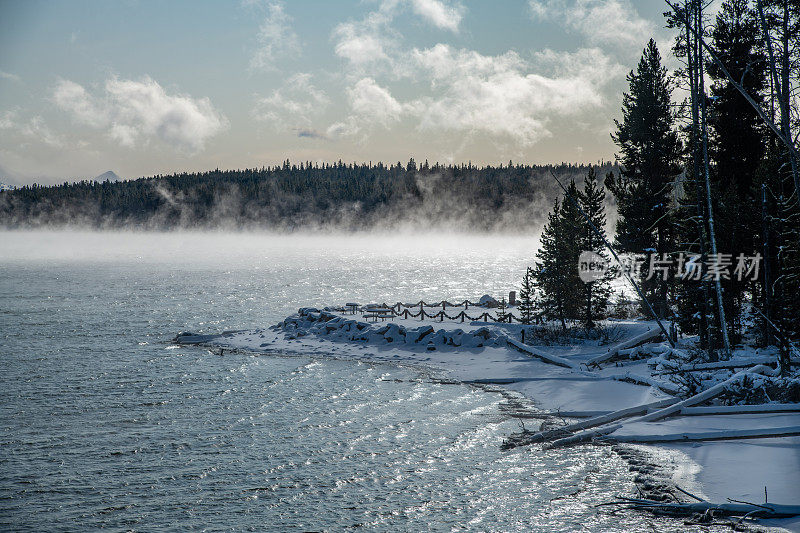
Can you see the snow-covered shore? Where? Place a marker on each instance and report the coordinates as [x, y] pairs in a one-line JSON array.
[[559, 381]]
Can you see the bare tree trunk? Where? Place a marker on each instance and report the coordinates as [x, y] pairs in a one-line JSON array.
[[710, 211], [767, 277], [692, 50]]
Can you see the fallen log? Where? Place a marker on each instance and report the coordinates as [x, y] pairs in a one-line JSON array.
[[596, 421], [670, 410], [669, 388], [539, 354], [728, 434], [614, 350], [723, 365], [740, 409], [743, 509]]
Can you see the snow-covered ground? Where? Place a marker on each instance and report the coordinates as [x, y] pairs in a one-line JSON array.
[[558, 380]]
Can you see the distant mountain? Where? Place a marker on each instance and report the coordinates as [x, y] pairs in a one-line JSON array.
[[108, 175]]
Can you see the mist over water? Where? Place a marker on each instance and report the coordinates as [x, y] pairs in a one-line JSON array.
[[104, 423]]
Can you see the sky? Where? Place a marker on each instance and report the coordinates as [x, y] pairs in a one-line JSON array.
[[148, 87]]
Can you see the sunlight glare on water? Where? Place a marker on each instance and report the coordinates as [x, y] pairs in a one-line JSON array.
[[106, 424]]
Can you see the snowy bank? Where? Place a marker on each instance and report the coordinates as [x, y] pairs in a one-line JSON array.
[[582, 380]]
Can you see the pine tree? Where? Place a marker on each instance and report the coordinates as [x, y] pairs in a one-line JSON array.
[[650, 160], [527, 306], [556, 271], [502, 310], [596, 292]]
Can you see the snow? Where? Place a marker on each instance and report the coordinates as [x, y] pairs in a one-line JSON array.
[[487, 352]]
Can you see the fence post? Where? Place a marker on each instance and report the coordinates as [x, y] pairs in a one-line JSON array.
[[462, 316]]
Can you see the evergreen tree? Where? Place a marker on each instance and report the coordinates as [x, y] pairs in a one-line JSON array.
[[502, 310], [592, 202], [527, 306], [556, 271], [650, 161]]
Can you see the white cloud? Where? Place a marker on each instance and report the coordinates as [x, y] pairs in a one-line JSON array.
[[72, 97], [275, 38], [131, 110], [502, 96], [443, 16], [9, 76], [8, 120], [37, 129], [370, 100], [293, 104], [611, 22], [497, 95], [358, 47], [374, 39]]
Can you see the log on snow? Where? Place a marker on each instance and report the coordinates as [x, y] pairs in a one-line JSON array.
[[741, 409], [629, 343], [762, 510], [728, 434], [670, 410], [544, 356], [600, 420]]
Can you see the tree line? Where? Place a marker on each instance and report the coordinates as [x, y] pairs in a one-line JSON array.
[[303, 196]]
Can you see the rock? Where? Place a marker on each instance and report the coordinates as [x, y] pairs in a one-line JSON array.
[[488, 301], [423, 332]]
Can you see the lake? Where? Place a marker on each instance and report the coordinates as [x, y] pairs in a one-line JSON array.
[[106, 424]]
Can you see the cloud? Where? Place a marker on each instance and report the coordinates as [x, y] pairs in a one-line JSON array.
[[602, 22], [9, 76], [370, 100], [502, 96], [374, 39], [73, 98], [498, 95], [357, 47], [37, 129], [443, 16], [132, 110], [8, 120], [293, 104], [275, 38]]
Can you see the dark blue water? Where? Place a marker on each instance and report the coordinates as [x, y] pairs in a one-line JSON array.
[[105, 424]]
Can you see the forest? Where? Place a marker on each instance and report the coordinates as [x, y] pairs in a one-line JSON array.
[[707, 191], [305, 196]]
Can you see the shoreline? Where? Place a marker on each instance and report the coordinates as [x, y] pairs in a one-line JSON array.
[[478, 353]]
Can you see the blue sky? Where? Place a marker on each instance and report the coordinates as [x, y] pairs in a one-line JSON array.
[[143, 87]]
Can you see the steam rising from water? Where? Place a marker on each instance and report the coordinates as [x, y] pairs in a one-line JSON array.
[[195, 247]]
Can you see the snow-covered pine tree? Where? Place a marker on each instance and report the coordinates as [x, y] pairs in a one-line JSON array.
[[502, 310], [527, 306], [556, 270], [595, 293]]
